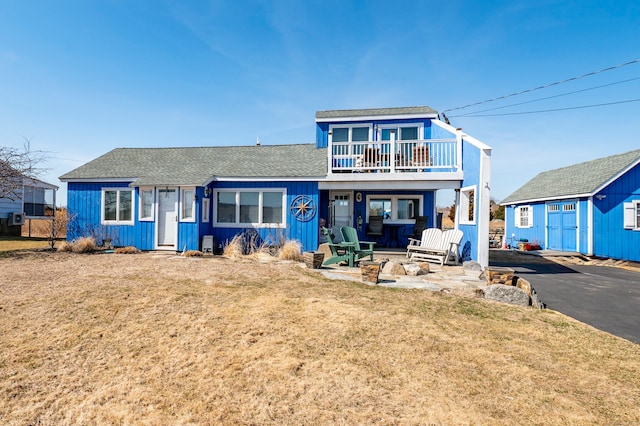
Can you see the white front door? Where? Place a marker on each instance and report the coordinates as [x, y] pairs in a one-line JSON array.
[[167, 218], [341, 212]]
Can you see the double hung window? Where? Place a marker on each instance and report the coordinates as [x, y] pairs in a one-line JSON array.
[[523, 217]]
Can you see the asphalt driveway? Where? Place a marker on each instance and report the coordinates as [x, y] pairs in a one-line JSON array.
[[607, 298]]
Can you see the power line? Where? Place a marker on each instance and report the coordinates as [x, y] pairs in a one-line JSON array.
[[555, 109], [470, 114], [635, 61]]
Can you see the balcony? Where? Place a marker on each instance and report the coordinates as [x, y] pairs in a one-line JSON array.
[[405, 156]]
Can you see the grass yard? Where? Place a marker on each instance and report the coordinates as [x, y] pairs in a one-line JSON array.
[[21, 243], [159, 339]]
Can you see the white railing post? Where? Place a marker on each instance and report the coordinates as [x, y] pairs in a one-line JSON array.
[[392, 152]]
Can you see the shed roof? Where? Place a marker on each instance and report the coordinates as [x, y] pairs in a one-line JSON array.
[[579, 179], [199, 165], [374, 112]]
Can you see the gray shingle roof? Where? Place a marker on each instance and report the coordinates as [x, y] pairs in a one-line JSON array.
[[579, 179], [196, 166], [343, 113]]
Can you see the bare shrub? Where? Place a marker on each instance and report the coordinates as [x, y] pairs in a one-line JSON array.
[[84, 245], [126, 250], [290, 250], [233, 248], [65, 246]]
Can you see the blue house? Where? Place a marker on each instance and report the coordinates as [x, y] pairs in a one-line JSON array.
[[385, 162], [591, 208]]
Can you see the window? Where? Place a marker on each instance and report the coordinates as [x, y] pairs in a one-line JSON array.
[[206, 208], [187, 201], [146, 204], [408, 133], [523, 217], [411, 133], [468, 205], [350, 134], [117, 206], [249, 207], [394, 208], [632, 215]]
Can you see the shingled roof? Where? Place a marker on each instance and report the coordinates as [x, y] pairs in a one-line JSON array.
[[423, 111], [578, 180], [197, 166]]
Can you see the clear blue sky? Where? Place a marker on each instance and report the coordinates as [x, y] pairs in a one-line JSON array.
[[79, 78]]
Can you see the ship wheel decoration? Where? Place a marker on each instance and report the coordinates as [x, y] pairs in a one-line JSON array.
[[303, 208]]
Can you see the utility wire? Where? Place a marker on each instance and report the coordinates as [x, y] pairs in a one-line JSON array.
[[471, 114], [635, 61], [556, 109]]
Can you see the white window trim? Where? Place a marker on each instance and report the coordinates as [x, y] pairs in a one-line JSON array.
[[398, 127], [183, 201], [141, 204], [259, 224], [206, 210], [464, 205], [394, 206], [103, 221], [350, 127], [516, 216], [630, 210]]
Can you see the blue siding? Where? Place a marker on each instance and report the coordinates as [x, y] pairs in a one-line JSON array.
[[304, 232], [610, 239], [583, 225], [535, 234], [84, 203], [438, 132], [471, 161], [322, 135], [322, 129]]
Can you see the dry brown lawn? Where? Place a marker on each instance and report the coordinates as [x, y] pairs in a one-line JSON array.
[[158, 339]]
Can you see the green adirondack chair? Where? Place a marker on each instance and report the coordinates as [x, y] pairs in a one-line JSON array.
[[350, 235], [340, 252]]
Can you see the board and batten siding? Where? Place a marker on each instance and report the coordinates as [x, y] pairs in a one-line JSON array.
[[304, 232], [610, 239], [322, 129], [84, 203], [536, 232]]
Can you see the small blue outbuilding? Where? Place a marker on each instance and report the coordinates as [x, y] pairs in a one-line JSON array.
[[592, 208]]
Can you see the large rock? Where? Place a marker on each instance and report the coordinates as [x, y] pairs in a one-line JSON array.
[[393, 267], [413, 269], [507, 294]]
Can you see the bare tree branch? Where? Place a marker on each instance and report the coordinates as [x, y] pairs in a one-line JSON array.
[[17, 164]]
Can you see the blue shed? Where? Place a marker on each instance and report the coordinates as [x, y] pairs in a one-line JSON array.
[[591, 208]]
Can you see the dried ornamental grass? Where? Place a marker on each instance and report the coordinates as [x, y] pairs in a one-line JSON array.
[[126, 250], [290, 251], [81, 245]]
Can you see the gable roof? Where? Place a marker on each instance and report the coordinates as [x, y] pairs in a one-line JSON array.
[[581, 179], [198, 166], [379, 113]]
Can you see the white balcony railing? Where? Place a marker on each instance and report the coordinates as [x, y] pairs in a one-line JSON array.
[[417, 156]]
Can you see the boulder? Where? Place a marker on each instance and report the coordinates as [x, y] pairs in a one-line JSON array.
[[507, 294], [413, 269], [393, 267]]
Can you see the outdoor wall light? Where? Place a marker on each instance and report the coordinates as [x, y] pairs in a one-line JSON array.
[[601, 197], [207, 191]]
